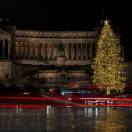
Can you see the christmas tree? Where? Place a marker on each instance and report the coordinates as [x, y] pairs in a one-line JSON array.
[[108, 65]]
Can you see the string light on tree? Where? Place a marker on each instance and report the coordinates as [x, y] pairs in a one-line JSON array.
[[108, 66]]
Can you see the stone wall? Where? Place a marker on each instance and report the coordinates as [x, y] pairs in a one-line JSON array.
[[5, 70]]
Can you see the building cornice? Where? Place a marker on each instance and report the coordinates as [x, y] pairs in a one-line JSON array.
[[56, 34]]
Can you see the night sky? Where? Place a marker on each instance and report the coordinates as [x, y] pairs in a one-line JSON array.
[[69, 15]]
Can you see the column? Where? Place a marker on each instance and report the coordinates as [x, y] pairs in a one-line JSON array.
[[66, 51], [17, 49], [26, 51], [6, 49], [53, 48], [9, 48], [55, 51], [3, 49], [88, 51], [78, 51], [42, 51], [70, 55], [36, 51], [31, 51], [72, 51], [23, 48], [21, 51], [91, 51], [84, 51], [81, 50], [51, 52], [75, 51], [48, 52], [39, 51]]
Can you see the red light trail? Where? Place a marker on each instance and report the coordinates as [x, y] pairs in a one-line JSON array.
[[62, 102]]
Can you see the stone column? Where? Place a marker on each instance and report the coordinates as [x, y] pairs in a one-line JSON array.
[[53, 48], [78, 51], [52, 51], [75, 49], [55, 51], [3, 48], [23, 51], [20, 50], [81, 51], [88, 51], [31, 51], [26, 51], [84, 51], [91, 51], [42, 51], [9, 48], [17, 49], [48, 51], [72, 51], [36, 51], [39, 50], [66, 52], [46, 56]]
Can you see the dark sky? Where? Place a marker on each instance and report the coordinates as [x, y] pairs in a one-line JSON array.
[[69, 15]]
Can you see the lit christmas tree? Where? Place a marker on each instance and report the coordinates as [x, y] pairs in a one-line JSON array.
[[108, 65]]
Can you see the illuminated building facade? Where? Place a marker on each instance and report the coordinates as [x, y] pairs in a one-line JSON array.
[[49, 55]]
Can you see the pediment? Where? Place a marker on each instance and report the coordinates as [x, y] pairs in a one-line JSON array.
[[3, 32]]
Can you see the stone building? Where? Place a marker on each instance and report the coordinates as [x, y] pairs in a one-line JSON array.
[[53, 56]]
